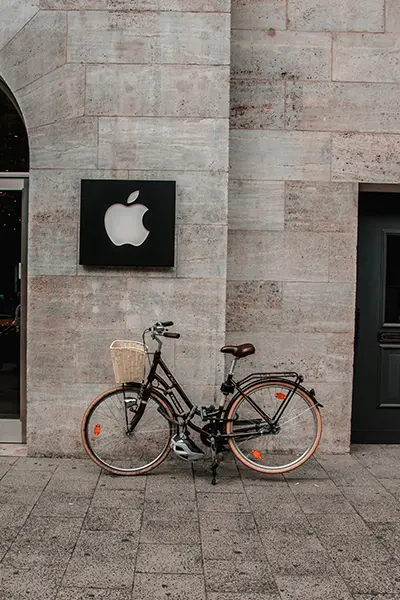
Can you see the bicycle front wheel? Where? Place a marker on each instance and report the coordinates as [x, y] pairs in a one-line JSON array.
[[122, 437], [284, 447]]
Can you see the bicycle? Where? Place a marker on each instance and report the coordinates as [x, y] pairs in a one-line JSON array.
[[270, 422]]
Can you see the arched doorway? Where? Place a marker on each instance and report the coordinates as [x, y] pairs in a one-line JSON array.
[[14, 165]]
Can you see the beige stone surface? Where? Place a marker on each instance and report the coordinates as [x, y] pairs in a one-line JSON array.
[[254, 305], [311, 206], [365, 157], [366, 57], [280, 155], [343, 256], [256, 104], [14, 16], [155, 90], [281, 55], [201, 251], [146, 143], [344, 15], [53, 245], [145, 37], [70, 144], [342, 106], [257, 205], [259, 14], [139, 5], [37, 49], [64, 90], [52, 356], [278, 256], [392, 16], [336, 399]]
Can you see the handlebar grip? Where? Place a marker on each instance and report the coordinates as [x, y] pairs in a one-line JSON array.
[[172, 335], [166, 323]]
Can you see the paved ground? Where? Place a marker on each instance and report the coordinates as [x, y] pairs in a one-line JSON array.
[[330, 530]]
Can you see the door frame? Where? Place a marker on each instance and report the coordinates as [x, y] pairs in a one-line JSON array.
[[13, 430]]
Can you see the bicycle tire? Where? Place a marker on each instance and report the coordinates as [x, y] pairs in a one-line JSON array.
[[274, 453], [105, 437]]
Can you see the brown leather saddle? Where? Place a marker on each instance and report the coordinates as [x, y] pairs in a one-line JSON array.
[[239, 351]]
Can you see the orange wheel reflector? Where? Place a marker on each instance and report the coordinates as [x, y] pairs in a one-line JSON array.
[[256, 454], [280, 396], [97, 429]]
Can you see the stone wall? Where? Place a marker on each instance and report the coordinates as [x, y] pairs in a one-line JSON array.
[[119, 89], [314, 110]]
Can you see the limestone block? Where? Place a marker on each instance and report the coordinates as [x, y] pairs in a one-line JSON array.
[[55, 415], [70, 144], [14, 16], [319, 307], [281, 55], [258, 14], [64, 91], [92, 355], [342, 106], [256, 104], [197, 357], [201, 198], [146, 143], [37, 49], [155, 90], [201, 251], [278, 256], [321, 207], [342, 257], [256, 205], [194, 305], [280, 155], [102, 304], [194, 38], [339, 355], [365, 157], [52, 246], [344, 15], [282, 351], [138, 5], [254, 305], [51, 356], [392, 16], [366, 57]]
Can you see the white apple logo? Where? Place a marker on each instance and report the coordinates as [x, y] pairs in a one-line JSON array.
[[124, 224]]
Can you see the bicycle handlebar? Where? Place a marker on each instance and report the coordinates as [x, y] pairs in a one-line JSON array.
[[166, 323]]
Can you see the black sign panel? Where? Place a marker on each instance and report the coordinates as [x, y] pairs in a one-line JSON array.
[[127, 223]]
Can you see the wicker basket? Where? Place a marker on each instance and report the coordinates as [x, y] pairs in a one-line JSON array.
[[129, 360]]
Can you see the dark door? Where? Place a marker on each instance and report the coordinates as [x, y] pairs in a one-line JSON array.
[[376, 397]]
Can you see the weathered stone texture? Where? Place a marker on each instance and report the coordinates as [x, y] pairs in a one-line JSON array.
[[14, 15], [366, 57], [146, 37], [162, 143], [281, 55], [257, 205], [365, 157], [37, 49], [342, 257], [280, 155], [344, 15], [139, 5], [256, 104], [258, 14], [392, 16], [157, 90], [201, 251], [343, 106]]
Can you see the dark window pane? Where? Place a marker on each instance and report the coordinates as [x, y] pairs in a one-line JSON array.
[[392, 304], [14, 149]]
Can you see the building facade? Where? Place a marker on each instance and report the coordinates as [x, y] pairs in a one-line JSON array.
[[269, 115]]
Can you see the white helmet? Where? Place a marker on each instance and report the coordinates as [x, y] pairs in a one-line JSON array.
[[185, 448]]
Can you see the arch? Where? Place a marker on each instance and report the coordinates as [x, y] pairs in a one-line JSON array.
[[14, 146]]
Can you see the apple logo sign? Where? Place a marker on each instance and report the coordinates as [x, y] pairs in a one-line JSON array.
[[124, 224]]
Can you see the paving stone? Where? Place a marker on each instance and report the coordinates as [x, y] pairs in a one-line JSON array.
[[29, 583], [117, 499], [61, 505], [313, 587], [281, 521], [7, 536], [169, 558], [24, 479], [373, 504], [170, 526], [319, 497], [113, 482], [102, 559], [104, 518], [236, 577], [92, 594], [216, 502], [287, 553], [338, 524], [49, 465], [14, 515], [262, 596], [234, 534], [346, 470], [172, 587]]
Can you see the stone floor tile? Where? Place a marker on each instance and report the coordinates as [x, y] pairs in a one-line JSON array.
[[369, 577], [293, 522], [217, 502], [375, 597], [7, 536], [92, 594], [170, 526], [14, 515], [262, 596], [348, 548], [392, 486], [228, 536], [309, 470], [169, 558], [22, 479], [3, 470], [7, 461], [104, 498], [242, 576], [28, 463], [64, 484], [347, 470], [113, 482], [254, 478], [388, 533], [113, 519], [372, 503], [61, 505], [102, 559], [338, 524], [179, 486], [278, 497], [225, 484], [78, 465], [321, 497], [30, 583], [296, 554], [157, 586], [313, 587], [44, 541], [14, 495]]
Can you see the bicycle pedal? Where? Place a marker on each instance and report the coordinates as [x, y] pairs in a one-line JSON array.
[[207, 411]]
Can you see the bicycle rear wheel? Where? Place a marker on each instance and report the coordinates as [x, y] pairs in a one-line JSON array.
[[284, 448], [122, 437]]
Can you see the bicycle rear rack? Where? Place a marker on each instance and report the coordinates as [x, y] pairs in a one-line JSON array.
[[284, 374]]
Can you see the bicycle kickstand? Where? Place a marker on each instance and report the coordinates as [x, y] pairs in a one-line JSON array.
[[214, 463]]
